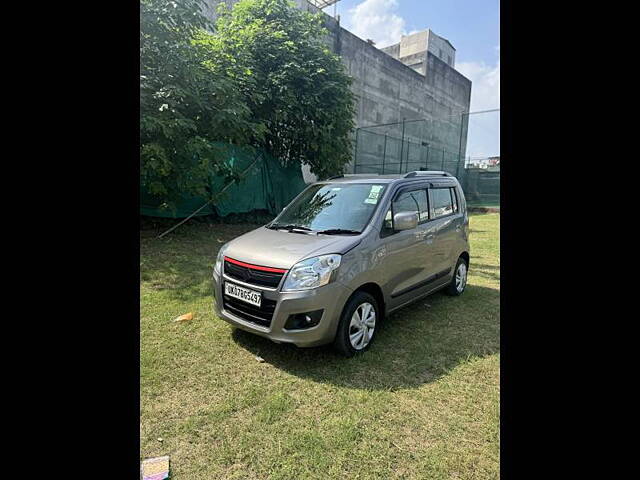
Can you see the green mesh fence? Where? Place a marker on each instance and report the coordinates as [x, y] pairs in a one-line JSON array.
[[481, 187], [267, 186]]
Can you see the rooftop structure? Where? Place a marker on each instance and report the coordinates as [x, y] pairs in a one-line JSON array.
[[412, 50]]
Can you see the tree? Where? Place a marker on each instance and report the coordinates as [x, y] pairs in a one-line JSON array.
[[265, 78], [184, 106], [290, 80]]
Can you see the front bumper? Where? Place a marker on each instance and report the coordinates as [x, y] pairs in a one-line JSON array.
[[331, 298]]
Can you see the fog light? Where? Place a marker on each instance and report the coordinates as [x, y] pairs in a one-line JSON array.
[[299, 321]]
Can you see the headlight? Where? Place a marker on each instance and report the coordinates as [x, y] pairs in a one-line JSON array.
[[218, 265], [311, 273]]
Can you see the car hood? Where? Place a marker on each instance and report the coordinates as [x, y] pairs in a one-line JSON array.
[[282, 249]]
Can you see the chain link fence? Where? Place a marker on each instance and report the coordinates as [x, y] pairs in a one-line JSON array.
[[466, 145]]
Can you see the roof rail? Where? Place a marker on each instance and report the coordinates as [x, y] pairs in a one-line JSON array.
[[427, 173], [353, 175]]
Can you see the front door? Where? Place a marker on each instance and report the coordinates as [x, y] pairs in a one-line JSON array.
[[407, 264]]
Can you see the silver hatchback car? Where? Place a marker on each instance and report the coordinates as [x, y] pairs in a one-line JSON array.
[[344, 254]]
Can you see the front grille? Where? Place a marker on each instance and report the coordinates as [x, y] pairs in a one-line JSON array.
[[252, 276], [261, 315]]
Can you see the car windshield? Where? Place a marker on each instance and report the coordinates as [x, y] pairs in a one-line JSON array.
[[334, 207]]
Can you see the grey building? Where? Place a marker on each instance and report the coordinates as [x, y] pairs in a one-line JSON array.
[[413, 79]]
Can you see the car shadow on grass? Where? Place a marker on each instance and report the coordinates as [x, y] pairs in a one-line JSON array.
[[416, 345]]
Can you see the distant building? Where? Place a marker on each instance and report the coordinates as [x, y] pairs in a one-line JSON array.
[[491, 164]]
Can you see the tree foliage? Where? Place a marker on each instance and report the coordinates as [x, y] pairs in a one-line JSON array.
[[265, 77], [184, 106], [294, 84]]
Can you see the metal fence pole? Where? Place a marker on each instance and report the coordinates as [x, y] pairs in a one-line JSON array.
[[402, 146], [355, 153], [384, 153], [460, 145]]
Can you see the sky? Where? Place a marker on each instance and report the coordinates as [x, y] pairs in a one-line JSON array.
[[472, 26]]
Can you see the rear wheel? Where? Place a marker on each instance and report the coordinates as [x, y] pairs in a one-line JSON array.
[[459, 279], [358, 324]]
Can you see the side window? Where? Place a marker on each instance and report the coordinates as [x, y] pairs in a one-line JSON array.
[[442, 202], [413, 201], [388, 221], [454, 197]]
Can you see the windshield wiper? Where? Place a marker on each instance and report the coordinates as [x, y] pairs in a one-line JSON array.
[[290, 227], [337, 231]]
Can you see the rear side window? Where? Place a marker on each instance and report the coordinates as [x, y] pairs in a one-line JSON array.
[[413, 201], [442, 202]]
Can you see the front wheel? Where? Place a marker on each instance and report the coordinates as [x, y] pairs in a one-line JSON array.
[[459, 279], [358, 324]]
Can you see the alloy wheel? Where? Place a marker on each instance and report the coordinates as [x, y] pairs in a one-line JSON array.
[[461, 277], [363, 323]]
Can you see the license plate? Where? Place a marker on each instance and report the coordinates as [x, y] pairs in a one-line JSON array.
[[244, 294]]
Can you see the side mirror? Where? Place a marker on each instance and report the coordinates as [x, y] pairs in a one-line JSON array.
[[405, 221]]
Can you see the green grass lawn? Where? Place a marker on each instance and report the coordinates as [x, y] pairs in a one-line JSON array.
[[423, 402]]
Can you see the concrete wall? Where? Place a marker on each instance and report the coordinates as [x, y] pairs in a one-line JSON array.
[[441, 49], [393, 50], [412, 44], [389, 91], [411, 50], [386, 86], [417, 61]]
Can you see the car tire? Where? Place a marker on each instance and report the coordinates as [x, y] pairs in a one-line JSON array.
[[355, 336], [459, 279]]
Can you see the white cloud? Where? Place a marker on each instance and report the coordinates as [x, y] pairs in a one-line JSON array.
[[376, 20], [485, 89], [484, 129]]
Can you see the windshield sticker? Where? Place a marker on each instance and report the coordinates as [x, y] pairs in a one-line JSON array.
[[373, 194]]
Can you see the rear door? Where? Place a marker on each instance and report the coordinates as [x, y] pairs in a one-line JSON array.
[[447, 223], [407, 265]]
